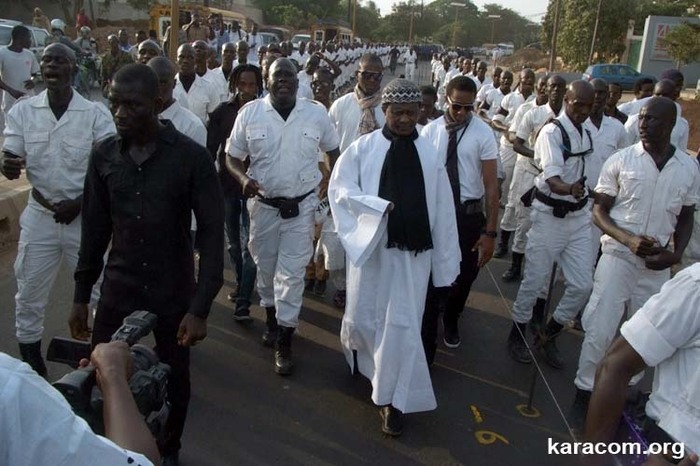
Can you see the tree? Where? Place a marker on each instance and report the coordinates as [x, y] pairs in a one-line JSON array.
[[576, 25], [683, 43], [662, 8], [288, 15]]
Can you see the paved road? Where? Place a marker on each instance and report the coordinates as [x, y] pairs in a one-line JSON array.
[[242, 413]]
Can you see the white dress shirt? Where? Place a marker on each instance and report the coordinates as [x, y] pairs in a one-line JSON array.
[[510, 104], [607, 139], [483, 91], [345, 113], [284, 155], [665, 332], [647, 201], [56, 152], [186, 122], [202, 98], [15, 69], [476, 146], [37, 425], [217, 79]]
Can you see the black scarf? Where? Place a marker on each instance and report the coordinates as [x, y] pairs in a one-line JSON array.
[[402, 184]]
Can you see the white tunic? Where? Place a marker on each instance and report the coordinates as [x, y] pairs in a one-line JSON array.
[[202, 98], [345, 114], [186, 122], [387, 287]]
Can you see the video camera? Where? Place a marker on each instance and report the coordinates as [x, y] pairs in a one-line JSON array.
[[148, 382]]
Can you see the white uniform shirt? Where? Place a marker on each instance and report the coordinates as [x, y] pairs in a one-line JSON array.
[[475, 146], [284, 155], [202, 98], [304, 78], [665, 332], [37, 425], [452, 73], [487, 81], [186, 122], [483, 91], [410, 57], [248, 62], [345, 113], [549, 155], [532, 122], [647, 201], [632, 107], [441, 78], [607, 139], [510, 104], [679, 135], [15, 69], [221, 80], [56, 153], [493, 99]]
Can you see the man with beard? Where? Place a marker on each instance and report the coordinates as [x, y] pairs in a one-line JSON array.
[[144, 181], [354, 115], [391, 202], [467, 146], [50, 136], [645, 197], [283, 136], [561, 225], [245, 86]]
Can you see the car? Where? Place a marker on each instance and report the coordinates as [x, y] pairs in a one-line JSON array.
[[39, 36], [268, 38], [306, 38], [621, 74]]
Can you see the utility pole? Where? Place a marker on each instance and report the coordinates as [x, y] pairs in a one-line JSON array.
[[354, 18], [174, 28], [410, 22], [457, 6], [493, 19], [595, 32], [555, 31]]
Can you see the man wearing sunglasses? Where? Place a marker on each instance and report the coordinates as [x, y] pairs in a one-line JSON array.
[[561, 225], [356, 114], [468, 147]]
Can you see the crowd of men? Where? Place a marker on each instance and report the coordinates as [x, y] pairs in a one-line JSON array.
[[393, 193]]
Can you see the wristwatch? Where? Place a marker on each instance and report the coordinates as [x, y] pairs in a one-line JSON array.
[[490, 234]]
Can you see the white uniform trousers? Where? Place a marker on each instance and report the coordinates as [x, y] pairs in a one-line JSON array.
[[523, 181], [42, 244], [281, 249], [619, 282], [567, 241], [508, 158], [410, 71]]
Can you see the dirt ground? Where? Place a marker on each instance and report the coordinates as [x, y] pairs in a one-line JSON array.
[[691, 112]]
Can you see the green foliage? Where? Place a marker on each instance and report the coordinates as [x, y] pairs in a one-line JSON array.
[[576, 26], [683, 43], [646, 8], [288, 15]]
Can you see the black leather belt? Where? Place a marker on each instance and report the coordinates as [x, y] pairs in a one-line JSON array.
[[560, 206], [277, 202], [471, 206]]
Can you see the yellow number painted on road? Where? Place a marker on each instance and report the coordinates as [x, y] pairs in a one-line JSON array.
[[486, 437]]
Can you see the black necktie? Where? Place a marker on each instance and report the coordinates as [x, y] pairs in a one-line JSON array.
[[451, 165]]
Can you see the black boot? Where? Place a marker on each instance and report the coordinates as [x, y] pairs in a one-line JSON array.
[[31, 354], [516, 344], [283, 351], [502, 248], [577, 415], [547, 340], [516, 268], [392, 421], [270, 334], [538, 317]]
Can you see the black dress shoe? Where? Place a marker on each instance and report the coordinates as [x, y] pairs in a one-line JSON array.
[[392, 421], [501, 251], [516, 346], [242, 315], [552, 355]]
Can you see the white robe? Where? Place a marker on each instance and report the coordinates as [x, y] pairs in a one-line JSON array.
[[386, 288]]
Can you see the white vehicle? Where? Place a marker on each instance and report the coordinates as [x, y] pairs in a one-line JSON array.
[[306, 38], [506, 49]]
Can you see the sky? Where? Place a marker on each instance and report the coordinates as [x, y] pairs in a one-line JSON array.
[[525, 8]]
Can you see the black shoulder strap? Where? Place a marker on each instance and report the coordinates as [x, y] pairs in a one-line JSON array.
[[564, 137]]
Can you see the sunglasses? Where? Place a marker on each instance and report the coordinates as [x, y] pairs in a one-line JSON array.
[[370, 75], [457, 107]]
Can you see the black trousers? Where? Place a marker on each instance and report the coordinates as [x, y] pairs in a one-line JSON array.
[[469, 228], [177, 357]]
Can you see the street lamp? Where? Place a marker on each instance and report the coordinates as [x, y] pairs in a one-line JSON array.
[[454, 29], [493, 19]]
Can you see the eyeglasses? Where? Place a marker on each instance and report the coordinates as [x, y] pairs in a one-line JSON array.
[[456, 107], [370, 75]]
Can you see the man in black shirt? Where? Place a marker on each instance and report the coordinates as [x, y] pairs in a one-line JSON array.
[[245, 85], [140, 190]]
